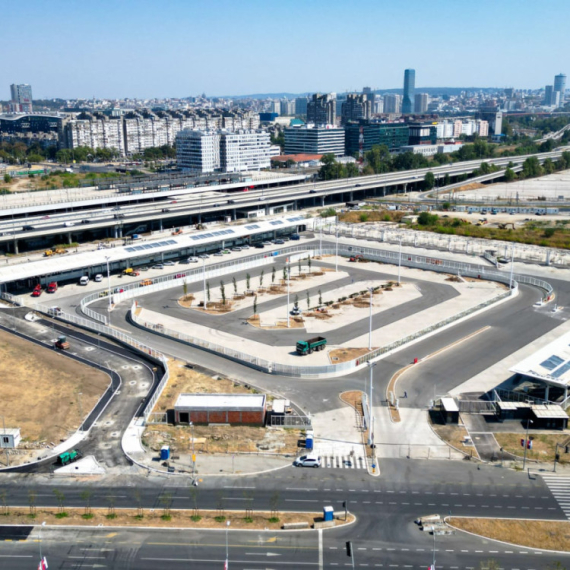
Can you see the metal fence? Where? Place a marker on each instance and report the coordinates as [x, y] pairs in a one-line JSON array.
[[290, 421]]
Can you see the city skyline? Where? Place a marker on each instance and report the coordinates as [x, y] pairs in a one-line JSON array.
[[119, 51]]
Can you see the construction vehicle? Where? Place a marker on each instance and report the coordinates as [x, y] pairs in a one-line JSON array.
[[146, 282], [356, 258], [506, 225], [131, 272], [308, 346], [62, 343], [69, 457]]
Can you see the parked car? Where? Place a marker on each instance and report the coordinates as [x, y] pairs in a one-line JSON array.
[[218, 254], [85, 221], [245, 246], [267, 243], [295, 237], [169, 263], [278, 242], [203, 256], [236, 248], [83, 280], [98, 278], [28, 228], [165, 210], [158, 266], [69, 224], [307, 461], [193, 260], [226, 251], [259, 246]]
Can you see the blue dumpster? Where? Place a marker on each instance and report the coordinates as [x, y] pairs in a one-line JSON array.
[[309, 437], [328, 513], [165, 453]]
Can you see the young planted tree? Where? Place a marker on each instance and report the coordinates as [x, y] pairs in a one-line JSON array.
[[32, 496], [111, 500], [274, 502], [299, 266], [166, 501], [285, 274], [223, 292], [320, 297], [261, 275], [86, 496], [309, 263], [4, 502], [273, 275], [60, 500], [255, 306], [296, 301], [208, 291], [185, 289], [138, 500], [234, 282], [247, 280], [308, 299], [194, 497]]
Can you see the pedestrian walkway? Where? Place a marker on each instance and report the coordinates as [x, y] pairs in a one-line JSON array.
[[343, 462], [560, 488]]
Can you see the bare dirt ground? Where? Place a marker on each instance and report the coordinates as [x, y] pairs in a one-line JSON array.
[[294, 323], [550, 535], [454, 435], [212, 439], [339, 355], [163, 517], [40, 391]]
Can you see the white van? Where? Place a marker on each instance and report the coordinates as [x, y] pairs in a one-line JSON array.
[[83, 280]]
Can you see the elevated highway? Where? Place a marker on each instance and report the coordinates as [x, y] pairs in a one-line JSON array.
[[116, 214]]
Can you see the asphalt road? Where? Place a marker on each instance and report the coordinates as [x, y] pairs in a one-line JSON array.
[[383, 534], [166, 302]]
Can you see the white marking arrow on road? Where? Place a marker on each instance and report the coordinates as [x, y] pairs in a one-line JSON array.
[[262, 554]]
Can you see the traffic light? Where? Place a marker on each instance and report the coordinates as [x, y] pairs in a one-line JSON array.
[[349, 548], [344, 504]]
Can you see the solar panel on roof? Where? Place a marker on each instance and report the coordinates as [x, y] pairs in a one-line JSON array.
[[252, 227], [129, 249], [208, 235], [195, 237], [154, 245], [218, 233], [147, 246], [139, 247], [552, 362], [171, 242], [561, 370], [230, 232]]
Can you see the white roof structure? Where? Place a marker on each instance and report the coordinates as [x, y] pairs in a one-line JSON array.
[[449, 405], [551, 364], [549, 411], [71, 262], [232, 402]]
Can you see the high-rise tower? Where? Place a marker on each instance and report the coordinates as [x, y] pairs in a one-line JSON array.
[[409, 91]]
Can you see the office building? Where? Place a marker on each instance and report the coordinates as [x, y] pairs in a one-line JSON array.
[[422, 133], [421, 102], [198, 151], [245, 150], [368, 135], [409, 91], [286, 108], [321, 109], [21, 98], [549, 98], [367, 91], [225, 151], [392, 103], [356, 107], [493, 116], [378, 105], [313, 139], [560, 86], [301, 105]]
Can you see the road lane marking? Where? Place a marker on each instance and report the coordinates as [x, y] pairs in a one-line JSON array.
[[321, 563]]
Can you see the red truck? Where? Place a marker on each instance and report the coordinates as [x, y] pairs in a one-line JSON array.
[[52, 287], [37, 291]]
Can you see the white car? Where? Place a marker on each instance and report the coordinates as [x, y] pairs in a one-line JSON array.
[[84, 280], [98, 278], [69, 224], [169, 263], [245, 246], [192, 260], [307, 461]]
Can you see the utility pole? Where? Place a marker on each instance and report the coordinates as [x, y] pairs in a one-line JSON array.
[[109, 287], [370, 407], [370, 325], [6, 448], [193, 455], [288, 314], [528, 422], [512, 265], [227, 551], [204, 278], [399, 260]]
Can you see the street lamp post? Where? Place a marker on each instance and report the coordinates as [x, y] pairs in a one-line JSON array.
[[6, 448], [204, 279], [109, 286], [193, 456], [370, 408], [288, 314], [336, 255], [321, 243], [370, 324], [512, 264], [399, 260], [528, 422], [227, 550]]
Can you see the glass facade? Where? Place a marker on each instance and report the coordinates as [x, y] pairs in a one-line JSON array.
[[393, 136]]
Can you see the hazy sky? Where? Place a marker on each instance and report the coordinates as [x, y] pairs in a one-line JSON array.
[[161, 48]]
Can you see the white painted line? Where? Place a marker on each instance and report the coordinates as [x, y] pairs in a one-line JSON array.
[[321, 564]]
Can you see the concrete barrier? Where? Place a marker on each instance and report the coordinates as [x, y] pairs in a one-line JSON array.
[[295, 526]]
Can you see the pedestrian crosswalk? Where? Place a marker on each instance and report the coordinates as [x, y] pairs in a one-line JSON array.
[[560, 488], [343, 462]]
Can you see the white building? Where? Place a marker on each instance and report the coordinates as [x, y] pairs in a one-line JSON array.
[[314, 140], [217, 150], [245, 150], [198, 151]]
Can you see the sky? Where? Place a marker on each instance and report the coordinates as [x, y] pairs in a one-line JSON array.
[[180, 48]]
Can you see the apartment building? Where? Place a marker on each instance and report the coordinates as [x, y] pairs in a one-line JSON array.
[[313, 139], [357, 106], [225, 151]]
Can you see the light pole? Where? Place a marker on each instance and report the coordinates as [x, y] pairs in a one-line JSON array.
[[512, 266], [370, 408], [370, 327], [399, 260], [288, 281], [6, 448], [108, 286], [227, 551], [193, 456], [336, 255], [321, 243], [40, 541], [204, 278], [528, 422]]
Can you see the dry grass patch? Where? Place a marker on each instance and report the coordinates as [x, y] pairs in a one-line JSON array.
[[294, 323], [39, 384], [339, 355], [543, 445], [161, 518], [353, 398], [186, 301], [549, 535], [454, 436]]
